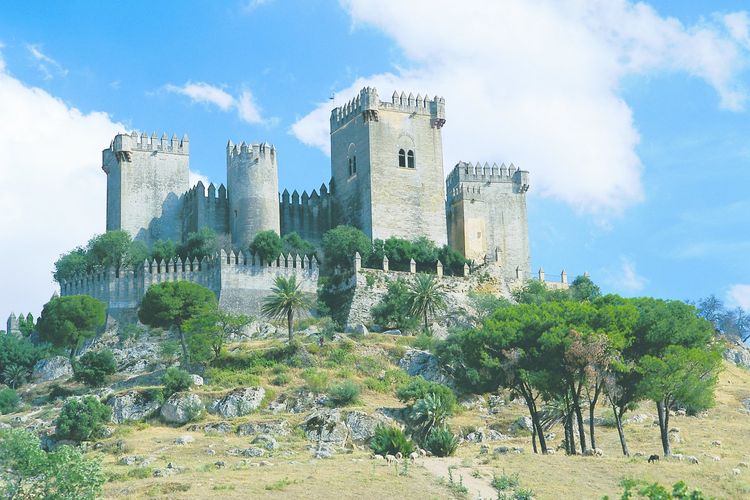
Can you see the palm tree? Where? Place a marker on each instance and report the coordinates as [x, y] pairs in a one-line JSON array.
[[15, 375], [426, 297], [286, 298]]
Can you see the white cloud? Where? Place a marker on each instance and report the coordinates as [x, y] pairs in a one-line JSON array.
[[205, 93], [739, 296], [626, 278], [55, 190], [195, 176], [738, 25], [537, 83], [251, 5], [44, 61]]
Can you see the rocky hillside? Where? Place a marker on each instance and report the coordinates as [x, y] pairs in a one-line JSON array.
[[267, 422]]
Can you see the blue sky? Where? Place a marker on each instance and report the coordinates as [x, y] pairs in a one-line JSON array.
[[631, 118]]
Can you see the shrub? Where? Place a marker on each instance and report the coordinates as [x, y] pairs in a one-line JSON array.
[[344, 394], [390, 440], [370, 366], [281, 379], [17, 351], [341, 243], [505, 482], [8, 401], [176, 380], [393, 311], [228, 379], [315, 380], [428, 414], [417, 388], [30, 472], [94, 368], [82, 419], [266, 245], [441, 442]]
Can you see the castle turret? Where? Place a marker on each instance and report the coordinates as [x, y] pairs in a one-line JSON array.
[[252, 191], [145, 178], [387, 165], [13, 327], [486, 213]]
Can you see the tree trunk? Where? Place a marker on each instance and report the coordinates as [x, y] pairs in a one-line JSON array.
[[185, 353], [663, 412], [571, 435], [620, 430], [581, 427], [290, 323], [533, 438], [527, 396], [425, 321], [592, 407]]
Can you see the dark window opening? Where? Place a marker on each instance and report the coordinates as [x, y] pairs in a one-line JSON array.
[[401, 158], [410, 159], [354, 165]]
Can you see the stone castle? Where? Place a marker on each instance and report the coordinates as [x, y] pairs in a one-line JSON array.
[[387, 179]]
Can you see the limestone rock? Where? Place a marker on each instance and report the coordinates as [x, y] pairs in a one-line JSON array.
[[273, 428], [301, 402], [137, 355], [53, 368], [239, 402], [357, 329], [482, 435], [181, 407], [362, 426], [326, 424], [183, 440], [212, 428], [738, 354], [197, 379], [131, 406], [521, 424], [424, 364], [266, 441]]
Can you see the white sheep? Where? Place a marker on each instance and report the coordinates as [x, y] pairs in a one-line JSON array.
[[390, 459], [413, 456]]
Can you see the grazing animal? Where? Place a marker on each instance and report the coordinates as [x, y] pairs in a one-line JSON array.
[[598, 452], [422, 452], [413, 456], [378, 457], [736, 472], [390, 459], [653, 459], [399, 456], [693, 460], [716, 443]]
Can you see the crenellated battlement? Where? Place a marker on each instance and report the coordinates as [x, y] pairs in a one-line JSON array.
[[469, 180], [251, 152], [124, 143], [307, 215], [368, 103], [199, 190]]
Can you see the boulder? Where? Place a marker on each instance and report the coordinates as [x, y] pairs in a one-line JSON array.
[[181, 407], [483, 435], [737, 353], [53, 368], [521, 424], [266, 441], [299, 403], [362, 426], [357, 329], [325, 424], [183, 440], [273, 428], [239, 402], [425, 364], [392, 332], [212, 428], [197, 379], [132, 406]]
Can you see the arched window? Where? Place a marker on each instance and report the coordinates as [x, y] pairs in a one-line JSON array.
[[410, 159], [354, 165], [401, 158]]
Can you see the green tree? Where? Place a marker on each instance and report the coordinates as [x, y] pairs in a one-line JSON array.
[[165, 250], [293, 244], [209, 332], [26, 324], [82, 419], [67, 321], [341, 243], [583, 288], [171, 304], [29, 472], [19, 352], [266, 245], [110, 249], [95, 368], [15, 375], [203, 243], [285, 300], [8, 400], [71, 265], [176, 380], [681, 375], [393, 309], [426, 297]]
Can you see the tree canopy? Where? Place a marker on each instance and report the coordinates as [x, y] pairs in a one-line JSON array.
[[67, 321], [341, 243], [266, 245]]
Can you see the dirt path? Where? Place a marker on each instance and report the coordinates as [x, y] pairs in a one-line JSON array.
[[479, 488]]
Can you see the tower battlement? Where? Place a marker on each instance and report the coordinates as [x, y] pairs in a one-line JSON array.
[[251, 152], [142, 142], [466, 175], [368, 102]]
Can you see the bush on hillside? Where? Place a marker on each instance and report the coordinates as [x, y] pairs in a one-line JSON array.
[[82, 419], [390, 440], [418, 388], [394, 311], [94, 368], [343, 394], [441, 442], [176, 380], [8, 401]]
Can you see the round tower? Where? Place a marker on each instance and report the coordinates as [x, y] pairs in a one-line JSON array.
[[252, 191]]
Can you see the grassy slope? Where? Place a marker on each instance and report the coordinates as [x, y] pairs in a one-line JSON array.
[[354, 475]]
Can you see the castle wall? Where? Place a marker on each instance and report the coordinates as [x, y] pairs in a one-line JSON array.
[[382, 198], [253, 191], [239, 281], [309, 215], [201, 209], [145, 179], [487, 216]]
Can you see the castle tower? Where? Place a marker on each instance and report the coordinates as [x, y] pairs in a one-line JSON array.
[[486, 213], [387, 165], [12, 326], [252, 191], [145, 178]]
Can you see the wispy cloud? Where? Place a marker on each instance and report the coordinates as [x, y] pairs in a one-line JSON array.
[[205, 93], [739, 296], [45, 63], [625, 278], [251, 5], [738, 25]]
